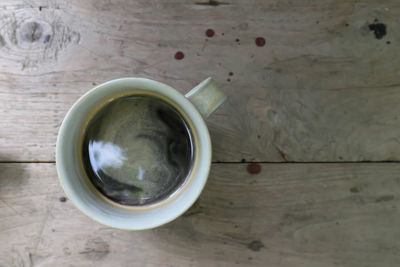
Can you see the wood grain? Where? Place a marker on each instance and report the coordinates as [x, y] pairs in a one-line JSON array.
[[323, 88], [287, 215]]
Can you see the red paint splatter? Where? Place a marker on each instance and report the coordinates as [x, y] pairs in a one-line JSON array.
[[230, 73], [254, 168], [260, 41], [179, 55], [210, 33]]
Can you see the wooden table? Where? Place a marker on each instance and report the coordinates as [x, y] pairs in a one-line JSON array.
[[317, 107]]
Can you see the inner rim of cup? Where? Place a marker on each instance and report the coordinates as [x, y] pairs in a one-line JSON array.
[[134, 91]]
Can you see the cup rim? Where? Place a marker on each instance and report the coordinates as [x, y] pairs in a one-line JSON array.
[[103, 212]]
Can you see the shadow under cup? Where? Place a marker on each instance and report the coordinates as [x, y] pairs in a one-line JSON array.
[[137, 149]]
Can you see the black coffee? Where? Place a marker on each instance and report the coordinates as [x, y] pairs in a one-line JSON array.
[[137, 150]]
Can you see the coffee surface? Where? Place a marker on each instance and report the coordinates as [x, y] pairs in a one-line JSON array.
[[137, 150]]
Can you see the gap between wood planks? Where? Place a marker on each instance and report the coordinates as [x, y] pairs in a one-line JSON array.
[[232, 162]]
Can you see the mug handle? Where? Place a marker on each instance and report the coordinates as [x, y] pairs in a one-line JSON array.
[[206, 97]]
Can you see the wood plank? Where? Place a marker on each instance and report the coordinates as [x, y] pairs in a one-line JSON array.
[[287, 215], [323, 88]]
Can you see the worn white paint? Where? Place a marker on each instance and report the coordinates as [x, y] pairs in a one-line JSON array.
[[317, 91], [287, 215]]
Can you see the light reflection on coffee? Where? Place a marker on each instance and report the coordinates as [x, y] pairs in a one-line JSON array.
[[105, 154], [137, 150]]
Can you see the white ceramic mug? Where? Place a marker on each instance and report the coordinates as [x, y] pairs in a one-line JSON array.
[[198, 104]]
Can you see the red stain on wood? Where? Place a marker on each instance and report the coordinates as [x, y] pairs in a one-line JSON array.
[[260, 41], [210, 33], [179, 55], [254, 168]]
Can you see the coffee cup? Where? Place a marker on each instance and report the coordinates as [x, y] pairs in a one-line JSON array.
[[134, 153]]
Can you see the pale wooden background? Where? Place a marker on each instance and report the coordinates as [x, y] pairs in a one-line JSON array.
[[317, 107]]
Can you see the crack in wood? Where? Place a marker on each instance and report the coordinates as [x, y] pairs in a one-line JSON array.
[[284, 156], [211, 3]]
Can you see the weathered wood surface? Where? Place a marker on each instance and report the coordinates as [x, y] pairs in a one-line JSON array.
[[287, 215], [323, 88]]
